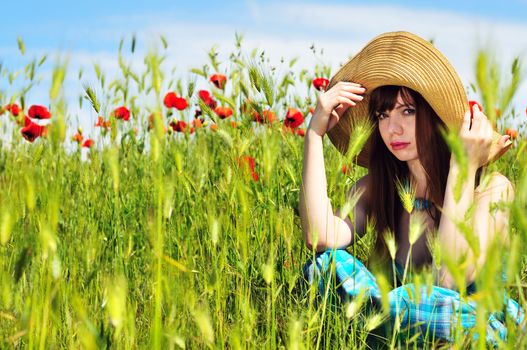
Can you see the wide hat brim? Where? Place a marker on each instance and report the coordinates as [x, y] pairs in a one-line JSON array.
[[404, 59]]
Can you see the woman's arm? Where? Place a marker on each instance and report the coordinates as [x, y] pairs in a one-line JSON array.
[[320, 227], [319, 224], [485, 226], [451, 239]]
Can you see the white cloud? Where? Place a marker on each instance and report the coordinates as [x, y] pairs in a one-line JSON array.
[[343, 29]]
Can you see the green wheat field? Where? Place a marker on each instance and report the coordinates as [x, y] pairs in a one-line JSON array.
[[173, 222]]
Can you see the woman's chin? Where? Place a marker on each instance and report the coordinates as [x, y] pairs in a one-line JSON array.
[[404, 157]]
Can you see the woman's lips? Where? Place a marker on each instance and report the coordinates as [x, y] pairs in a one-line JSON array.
[[399, 145]]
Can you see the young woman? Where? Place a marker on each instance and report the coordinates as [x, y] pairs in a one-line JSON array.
[[410, 92]]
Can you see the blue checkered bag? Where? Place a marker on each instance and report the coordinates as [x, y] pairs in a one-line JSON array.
[[433, 312]]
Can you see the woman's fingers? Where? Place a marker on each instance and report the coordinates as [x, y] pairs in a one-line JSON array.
[[333, 103], [481, 127], [348, 86], [467, 120], [341, 108], [347, 83], [503, 140], [340, 94], [345, 101], [476, 133], [485, 126], [343, 95], [476, 118], [333, 120], [341, 98], [351, 96]]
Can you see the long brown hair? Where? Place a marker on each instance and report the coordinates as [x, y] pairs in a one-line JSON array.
[[385, 169]]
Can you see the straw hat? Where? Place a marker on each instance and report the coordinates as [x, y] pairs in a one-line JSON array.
[[402, 58]]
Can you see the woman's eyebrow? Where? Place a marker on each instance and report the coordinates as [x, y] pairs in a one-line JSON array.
[[398, 105]]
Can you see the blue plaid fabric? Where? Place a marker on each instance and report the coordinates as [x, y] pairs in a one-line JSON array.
[[433, 313]]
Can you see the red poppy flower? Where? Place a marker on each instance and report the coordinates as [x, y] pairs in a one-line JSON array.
[[301, 132], [214, 127], [312, 110], [39, 112], [32, 130], [512, 133], [171, 100], [13, 108], [168, 101], [180, 126], [77, 137], [180, 103], [320, 84], [223, 112], [122, 113], [248, 163], [293, 118], [105, 124], [268, 116], [99, 122], [219, 80], [346, 169], [197, 123], [88, 143], [205, 96], [150, 122]]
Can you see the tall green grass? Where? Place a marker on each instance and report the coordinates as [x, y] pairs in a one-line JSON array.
[[163, 240]]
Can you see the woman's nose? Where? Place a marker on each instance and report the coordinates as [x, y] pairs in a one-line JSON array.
[[394, 126]]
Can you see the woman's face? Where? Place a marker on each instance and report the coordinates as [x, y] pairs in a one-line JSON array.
[[397, 129]]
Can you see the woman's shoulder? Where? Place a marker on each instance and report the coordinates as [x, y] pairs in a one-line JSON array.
[[494, 184], [360, 186], [362, 181]]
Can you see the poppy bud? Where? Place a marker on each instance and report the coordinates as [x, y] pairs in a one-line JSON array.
[[218, 80]]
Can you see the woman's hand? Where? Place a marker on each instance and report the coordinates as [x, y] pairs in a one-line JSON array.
[[332, 104], [476, 134]]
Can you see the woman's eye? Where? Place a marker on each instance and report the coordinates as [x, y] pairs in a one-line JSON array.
[[409, 111], [381, 115]]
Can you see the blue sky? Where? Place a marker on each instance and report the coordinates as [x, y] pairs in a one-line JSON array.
[[89, 31], [57, 24]]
